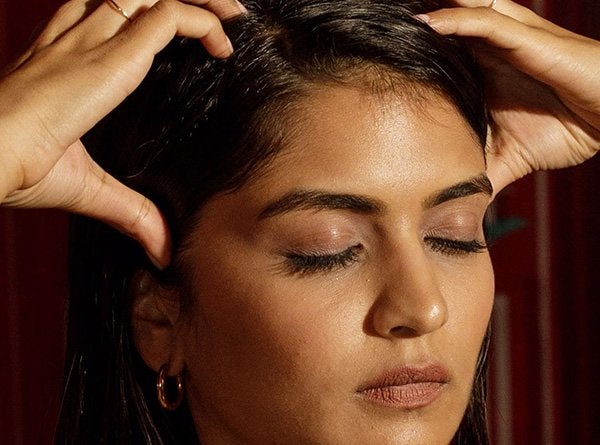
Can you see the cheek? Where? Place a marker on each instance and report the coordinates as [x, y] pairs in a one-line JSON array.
[[263, 348], [470, 295], [253, 330]]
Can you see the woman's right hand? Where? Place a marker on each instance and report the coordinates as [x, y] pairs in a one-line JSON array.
[[81, 67]]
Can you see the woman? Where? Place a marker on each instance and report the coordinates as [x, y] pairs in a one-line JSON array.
[[344, 340], [288, 307]]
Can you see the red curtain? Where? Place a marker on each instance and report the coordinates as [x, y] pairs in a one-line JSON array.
[[33, 286], [546, 351]]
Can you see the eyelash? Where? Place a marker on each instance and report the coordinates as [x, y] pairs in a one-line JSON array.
[[304, 263], [451, 247], [300, 263]]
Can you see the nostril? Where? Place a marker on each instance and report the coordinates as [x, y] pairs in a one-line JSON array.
[[403, 331]]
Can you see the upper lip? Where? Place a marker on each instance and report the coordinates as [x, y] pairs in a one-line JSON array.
[[408, 374]]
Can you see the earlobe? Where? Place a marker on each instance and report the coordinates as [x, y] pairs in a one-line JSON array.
[[154, 316]]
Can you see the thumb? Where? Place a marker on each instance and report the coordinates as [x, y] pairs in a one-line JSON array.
[[106, 199], [79, 185], [505, 167], [499, 174]]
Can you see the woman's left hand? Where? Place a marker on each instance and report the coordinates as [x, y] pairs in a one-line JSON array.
[[543, 86]]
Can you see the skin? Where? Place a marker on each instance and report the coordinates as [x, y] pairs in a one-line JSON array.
[[543, 96], [542, 86], [81, 67], [62, 86], [274, 356]]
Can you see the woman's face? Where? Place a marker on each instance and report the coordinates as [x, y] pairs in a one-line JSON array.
[[342, 297]]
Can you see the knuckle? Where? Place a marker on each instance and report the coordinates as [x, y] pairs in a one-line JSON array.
[[213, 21], [211, 25], [167, 9], [135, 225], [143, 212], [64, 10], [66, 13]]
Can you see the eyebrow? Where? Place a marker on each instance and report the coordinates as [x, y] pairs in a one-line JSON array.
[[322, 200], [319, 200], [475, 185]]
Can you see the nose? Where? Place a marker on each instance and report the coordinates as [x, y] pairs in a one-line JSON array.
[[410, 302]]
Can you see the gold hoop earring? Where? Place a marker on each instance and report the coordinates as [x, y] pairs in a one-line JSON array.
[[162, 392]]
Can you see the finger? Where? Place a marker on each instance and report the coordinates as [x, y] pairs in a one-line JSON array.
[[517, 12], [562, 62], [105, 75], [108, 19], [224, 9], [152, 31], [112, 17], [66, 17]]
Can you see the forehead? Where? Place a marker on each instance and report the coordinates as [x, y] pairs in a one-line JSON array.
[[371, 100], [340, 134]]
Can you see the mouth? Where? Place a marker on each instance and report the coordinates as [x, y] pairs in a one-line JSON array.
[[406, 387]]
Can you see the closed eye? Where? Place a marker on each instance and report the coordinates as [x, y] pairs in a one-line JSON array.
[[302, 263], [451, 247]]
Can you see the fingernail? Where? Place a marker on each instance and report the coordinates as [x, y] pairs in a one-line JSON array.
[[423, 18], [242, 7]]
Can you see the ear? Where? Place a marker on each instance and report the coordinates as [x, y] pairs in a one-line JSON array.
[[155, 310]]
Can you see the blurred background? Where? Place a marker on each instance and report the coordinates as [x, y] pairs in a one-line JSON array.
[[545, 358]]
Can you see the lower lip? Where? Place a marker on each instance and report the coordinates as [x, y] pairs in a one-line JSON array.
[[409, 396]]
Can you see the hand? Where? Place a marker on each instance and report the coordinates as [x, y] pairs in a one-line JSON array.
[[543, 86], [80, 68]]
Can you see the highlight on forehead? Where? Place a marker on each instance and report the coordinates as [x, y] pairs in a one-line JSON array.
[[279, 121], [384, 84]]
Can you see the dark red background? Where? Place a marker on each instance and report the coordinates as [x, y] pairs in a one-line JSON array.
[[551, 266]]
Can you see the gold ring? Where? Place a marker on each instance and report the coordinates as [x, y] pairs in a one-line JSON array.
[[492, 4], [113, 4]]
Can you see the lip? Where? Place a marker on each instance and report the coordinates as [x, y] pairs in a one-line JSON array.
[[406, 387]]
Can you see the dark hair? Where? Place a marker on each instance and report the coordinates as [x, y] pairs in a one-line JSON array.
[[198, 126]]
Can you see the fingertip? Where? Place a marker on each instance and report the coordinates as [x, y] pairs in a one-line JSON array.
[[438, 21], [442, 26], [243, 9], [160, 263], [425, 18]]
